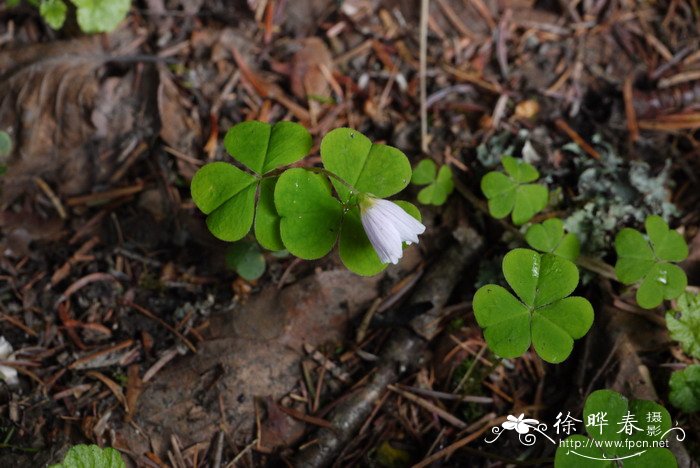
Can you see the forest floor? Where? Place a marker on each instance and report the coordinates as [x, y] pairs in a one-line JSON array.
[[130, 331]]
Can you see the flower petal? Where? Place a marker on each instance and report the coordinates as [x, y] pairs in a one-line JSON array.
[[407, 226], [382, 235]]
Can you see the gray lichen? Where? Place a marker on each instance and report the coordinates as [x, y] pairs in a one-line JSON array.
[[615, 193]]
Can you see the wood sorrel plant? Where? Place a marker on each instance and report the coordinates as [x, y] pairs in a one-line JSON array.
[[308, 210]]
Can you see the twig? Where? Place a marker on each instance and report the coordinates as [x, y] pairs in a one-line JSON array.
[[424, 12], [403, 351]]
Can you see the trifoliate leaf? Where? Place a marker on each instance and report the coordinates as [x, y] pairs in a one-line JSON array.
[[685, 389], [424, 173], [624, 434], [379, 170], [544, 316], [53, 12], [640, 260], [95, 16], [436, 193], [549, 237], [227, 195], [511, 194], [310, 215], [263, 147], [684, 324], [246, 259], [91, 456]]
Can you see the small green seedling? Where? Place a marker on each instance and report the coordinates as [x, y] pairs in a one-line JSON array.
[[684, 324], [543, 316], [685, 389], [94, 16], [549, 237], [439, 183], [611, 442], [91, 456], [308, 210], [512, 193], [650, 263], [246, 259]]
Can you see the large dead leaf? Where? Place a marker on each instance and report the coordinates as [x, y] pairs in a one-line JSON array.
[[73, 108], [254, 351]]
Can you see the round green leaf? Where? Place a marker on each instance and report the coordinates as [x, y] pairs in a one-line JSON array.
[[379, 170], [310, 215], [545, 236], [668, 244], [91, 456], [685, 389], [614, 406], [577, 452], [549, 237], [500, 191], [663, 281], [656, 457], [519, 170], [555, 326], [539, 279], [437, 192], [641, 409], [232, 220], [424, 173], [634, 256], [505, 320], [530, 199], [227, 195], [246, 259], [53, 12], [263, 147], [96, 16], [267, 221], [569, 247]]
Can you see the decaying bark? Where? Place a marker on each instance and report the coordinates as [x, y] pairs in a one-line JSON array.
[[403, 352]]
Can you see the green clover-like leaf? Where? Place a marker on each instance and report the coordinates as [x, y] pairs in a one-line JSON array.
[[424, 173], [650, 263], [684, 324], [310, 216], [356, 252], [436, 193], [685, 389], [263, 147], [549, 237], [53, 12], [604, 415], [246, 259], [267, 221], [511, 192], [227, 195], [91, 456], [95, 16], [376, 169], [543, 316]]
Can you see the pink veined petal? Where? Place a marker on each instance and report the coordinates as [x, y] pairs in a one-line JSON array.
[[382, 235]]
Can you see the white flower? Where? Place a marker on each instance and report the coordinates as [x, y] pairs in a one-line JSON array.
[[387, 225], [520, 424], [7, 373]]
